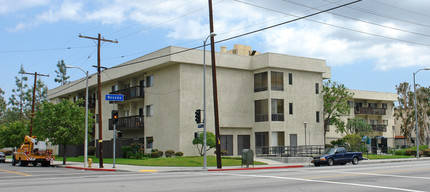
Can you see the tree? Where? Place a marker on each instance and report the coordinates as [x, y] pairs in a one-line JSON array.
[[405, 110], [12, 134], [20, 101], [335, 97], [61, 73], [423, 110], [62, 123], [2, 106], [358, 126], [210, 142]]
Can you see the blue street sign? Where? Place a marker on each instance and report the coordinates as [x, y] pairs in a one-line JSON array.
[[114, 98]]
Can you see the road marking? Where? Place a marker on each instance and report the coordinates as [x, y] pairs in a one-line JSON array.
[[346, 173], [144, 170], [328, 182], [23, 174]]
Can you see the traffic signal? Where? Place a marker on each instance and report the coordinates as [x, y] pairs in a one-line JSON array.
[[119, 134], [114, 116], [198, 117]]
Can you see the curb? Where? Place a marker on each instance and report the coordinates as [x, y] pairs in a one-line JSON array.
[[89, 169], [257, 168]]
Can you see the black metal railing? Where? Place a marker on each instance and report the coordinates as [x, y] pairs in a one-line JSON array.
[[131, 92], [379, 128], [289, 151], [370, 111], [127, 123]]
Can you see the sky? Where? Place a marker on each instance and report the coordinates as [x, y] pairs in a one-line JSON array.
[[370, 45]]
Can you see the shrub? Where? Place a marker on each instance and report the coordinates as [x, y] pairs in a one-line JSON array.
[[169, 153], [160, 153], [224, 152], [156, 154], [92, 150], [426, 152], [413, 152], [179, 154]]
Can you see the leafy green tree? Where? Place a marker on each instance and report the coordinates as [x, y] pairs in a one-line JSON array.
[[335, 97], [210, 142], [358, 126], [2, 106], [62, 123], [12, 134], [61, 73], [405, 110], [423, 109]]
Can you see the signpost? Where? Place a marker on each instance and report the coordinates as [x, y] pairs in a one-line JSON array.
[[114, 98]]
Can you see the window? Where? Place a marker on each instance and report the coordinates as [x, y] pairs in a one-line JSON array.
[[277, 110], [149, 111], [114, 88], [384, 105], [261, 110], [149, 81], [126, 113], [149, 142], [317, 88], [291, 108], [260, 82], [384, 122], [277, 80], [317, 116], [373, 105], [290, 78], [350, 103]]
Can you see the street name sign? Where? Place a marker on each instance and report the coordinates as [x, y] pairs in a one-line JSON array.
[[114, 97]]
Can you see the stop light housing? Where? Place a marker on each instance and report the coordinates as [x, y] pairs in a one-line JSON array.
[[119, 134], [198, 117], [114, 116]]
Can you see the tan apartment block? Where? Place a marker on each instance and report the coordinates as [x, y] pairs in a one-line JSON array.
[[376, 109], [264, 99]]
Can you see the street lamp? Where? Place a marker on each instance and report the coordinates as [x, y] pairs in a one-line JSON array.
[[416, 115], [86, 116], [204, 99]]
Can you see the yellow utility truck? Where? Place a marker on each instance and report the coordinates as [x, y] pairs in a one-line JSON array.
[[34, 152]]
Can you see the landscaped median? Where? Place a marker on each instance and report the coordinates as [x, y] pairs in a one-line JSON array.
[[192, 161]]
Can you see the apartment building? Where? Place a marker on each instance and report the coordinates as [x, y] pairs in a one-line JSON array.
[[376, 109], [264, 99]]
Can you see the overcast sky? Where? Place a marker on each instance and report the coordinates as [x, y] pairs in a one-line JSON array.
[[370, 45]]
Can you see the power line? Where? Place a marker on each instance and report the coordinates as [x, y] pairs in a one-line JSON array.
[[47, 49], [237, 36]]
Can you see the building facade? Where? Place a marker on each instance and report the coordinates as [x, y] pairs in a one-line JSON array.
[[374, 108], [264, 99]]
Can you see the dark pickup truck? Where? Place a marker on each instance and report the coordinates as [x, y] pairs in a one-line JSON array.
[[337, 155]]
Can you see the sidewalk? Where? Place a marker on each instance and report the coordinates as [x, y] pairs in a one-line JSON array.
[[270, 165]]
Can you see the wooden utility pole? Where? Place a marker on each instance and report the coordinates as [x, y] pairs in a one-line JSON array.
[[34, 98], [215, 91], [99, 97]]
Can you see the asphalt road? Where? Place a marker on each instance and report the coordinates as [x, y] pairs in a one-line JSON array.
[[400, 176]]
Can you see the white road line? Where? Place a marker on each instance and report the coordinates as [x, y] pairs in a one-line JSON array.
[[376, 174], [329, 182]]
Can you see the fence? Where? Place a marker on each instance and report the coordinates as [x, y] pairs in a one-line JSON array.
[[289, 151]]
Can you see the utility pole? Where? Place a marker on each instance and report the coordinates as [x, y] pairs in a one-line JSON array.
[[99, 97], [215, 91], [34, 97]]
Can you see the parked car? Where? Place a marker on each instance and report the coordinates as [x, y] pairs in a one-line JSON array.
[[337, 155], [2, 157]]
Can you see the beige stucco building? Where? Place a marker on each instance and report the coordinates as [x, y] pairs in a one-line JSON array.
[[264, 99], [376, 109]]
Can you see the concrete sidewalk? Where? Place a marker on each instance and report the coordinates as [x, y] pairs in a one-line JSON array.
[[270, 165]]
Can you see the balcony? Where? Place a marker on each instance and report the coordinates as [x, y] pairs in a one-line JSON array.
[[128, 123], [379, 128], [131, 92], [91, 103], [370, 111]]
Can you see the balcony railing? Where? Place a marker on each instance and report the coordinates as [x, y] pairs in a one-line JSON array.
[[379, 128], [91, 103], [131, 92], [370, 111], [128, 123]]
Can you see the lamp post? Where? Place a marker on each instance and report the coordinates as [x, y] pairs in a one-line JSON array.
[[416, 115], [86, 116], [204, 99]]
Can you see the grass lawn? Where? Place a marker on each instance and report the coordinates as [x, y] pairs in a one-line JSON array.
[[372, 156], [194, 161]]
